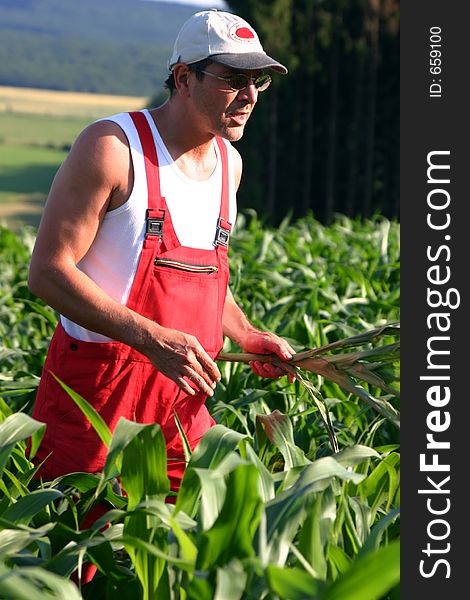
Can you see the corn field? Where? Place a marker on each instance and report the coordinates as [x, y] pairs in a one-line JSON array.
[[293, 495]]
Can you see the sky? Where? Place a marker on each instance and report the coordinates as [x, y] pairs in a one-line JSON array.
[[201, 3]]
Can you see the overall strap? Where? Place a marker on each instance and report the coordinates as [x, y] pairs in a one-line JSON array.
[[156, 210], [222, 234]]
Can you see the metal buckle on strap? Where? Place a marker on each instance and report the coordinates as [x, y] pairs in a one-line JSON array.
[[222, 234], [155, 224]]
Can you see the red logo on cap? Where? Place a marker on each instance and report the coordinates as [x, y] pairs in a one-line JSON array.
[[242, 33]]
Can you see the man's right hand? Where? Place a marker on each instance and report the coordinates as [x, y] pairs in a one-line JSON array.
[[181, 358]]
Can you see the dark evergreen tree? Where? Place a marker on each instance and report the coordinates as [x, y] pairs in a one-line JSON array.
[[326, 140]]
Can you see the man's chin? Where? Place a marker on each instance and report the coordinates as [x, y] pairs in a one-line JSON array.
[[233, 134]]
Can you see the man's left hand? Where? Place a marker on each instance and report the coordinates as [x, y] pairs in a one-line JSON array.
[[264, 342]]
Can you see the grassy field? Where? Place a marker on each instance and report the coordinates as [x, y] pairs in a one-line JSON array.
[[36, 129], [54, 103]]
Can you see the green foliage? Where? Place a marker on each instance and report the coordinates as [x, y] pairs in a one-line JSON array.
[[171, 554], [25, 323], [265, 510]]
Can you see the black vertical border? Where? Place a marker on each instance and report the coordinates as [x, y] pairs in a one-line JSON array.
[[434, 124]]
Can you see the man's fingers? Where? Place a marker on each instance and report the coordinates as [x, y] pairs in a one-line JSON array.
[[182, 359], [270, 371], [200, 372], [285, 351], [209, 367], [266, 369], [200, 382], [184, 385], [271, 343]]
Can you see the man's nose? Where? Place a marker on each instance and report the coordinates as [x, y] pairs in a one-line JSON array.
[[249, 93]]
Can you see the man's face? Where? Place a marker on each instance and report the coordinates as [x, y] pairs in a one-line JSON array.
[[222, 109]]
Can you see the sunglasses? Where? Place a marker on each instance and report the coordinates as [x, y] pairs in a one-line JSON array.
[[239, 81]]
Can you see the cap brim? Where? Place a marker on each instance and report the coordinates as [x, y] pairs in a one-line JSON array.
[[249, 61]]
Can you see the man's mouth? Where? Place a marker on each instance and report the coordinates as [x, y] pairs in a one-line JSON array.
[[240, 117]]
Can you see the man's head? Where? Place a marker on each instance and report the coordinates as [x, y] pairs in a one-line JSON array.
[[218, 65]]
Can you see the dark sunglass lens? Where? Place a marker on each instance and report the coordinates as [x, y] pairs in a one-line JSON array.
[[262, 82], [238, 81]]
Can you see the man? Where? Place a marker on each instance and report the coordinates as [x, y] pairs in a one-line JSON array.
[[132, 252]]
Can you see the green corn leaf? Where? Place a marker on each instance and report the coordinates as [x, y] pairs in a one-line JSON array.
[[278, 429], [144, 467], [17, 488], [292, 583], [338, 560], [12, 541], [184, 439], [176, 523], [355, 340], [28, 506], [315, 531], [231, 536], [388, 352], [383, 477], [90, 413], [231, 581], [214, 488], [147, 548], [200, 588], [319, 402], [144, 476], [214, 446], [26, 583], [266, 480], [103, 557], [123, 435], [354, 455], [369, 577], [44, 311], [374, 540], [5, 410], [285, 512], [16, 428]]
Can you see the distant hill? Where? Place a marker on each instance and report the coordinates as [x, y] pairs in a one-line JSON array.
[[105, 46]]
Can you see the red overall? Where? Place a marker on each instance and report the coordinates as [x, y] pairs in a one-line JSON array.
[[178, 287]]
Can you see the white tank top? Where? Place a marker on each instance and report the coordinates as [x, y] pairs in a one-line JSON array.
[[194, 206]]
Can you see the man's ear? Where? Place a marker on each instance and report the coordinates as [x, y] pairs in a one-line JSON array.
[[181, 75]]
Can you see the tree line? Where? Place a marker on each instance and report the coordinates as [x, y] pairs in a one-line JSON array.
[[325, 138]]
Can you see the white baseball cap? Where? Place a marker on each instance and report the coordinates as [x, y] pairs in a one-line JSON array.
[[223, 37]]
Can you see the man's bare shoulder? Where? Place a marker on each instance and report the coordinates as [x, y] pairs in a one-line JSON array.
[[101, 136], [100, 159], [97, 174]]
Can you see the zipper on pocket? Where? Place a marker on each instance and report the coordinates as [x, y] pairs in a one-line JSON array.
[[182, 266]]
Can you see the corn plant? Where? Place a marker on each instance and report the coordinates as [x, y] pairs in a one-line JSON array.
[[236, 530], [348, 370], [294, 494]]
